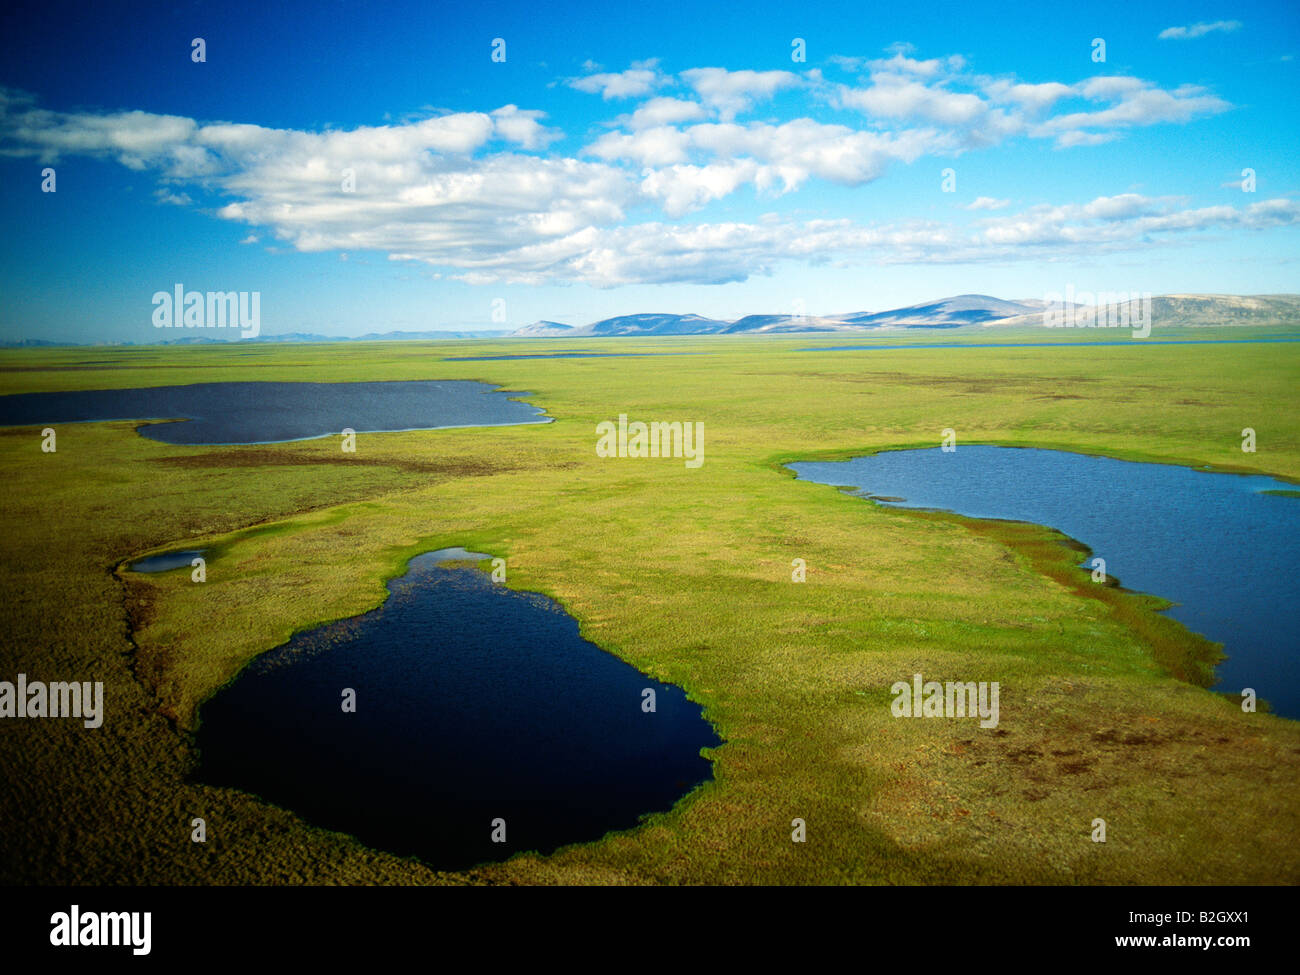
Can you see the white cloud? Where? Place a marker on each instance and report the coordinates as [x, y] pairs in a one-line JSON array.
[[1117, 207], [895, 96], [847, 63], [726, 252], [523, 128], [1077, 137], [731, 92], [989, 110], [641, 79], [681, 189], [475, 195], [1033, 97], [662, 145], [164, 195], [900, 64], [1198, 30], [662, 111], [135, 139], [423, 190], [776, 158], [796, 150], [1124, 221], [1133, 103]]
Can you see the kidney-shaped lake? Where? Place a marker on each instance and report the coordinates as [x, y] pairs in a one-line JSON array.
[[274, 412]]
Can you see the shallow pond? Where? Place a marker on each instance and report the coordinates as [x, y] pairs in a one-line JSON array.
[[564, 355], [166, 561], [274, 412], [1216, 544], [473, 703]]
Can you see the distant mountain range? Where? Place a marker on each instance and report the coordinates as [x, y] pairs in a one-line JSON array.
[[199, 338], [435, 335], [1199, 311], [1181, 310], [1166, 310]]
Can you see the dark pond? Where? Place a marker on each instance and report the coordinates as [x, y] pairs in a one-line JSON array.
[[563, 355], [1215, 544], [473, 703], [166, 561], [274, 412]]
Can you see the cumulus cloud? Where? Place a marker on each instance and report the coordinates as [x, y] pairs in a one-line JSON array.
[[900, 63], [523, 128], [680, 189], [135, 139], [164, 195], [1033, 97], [774, 158], [641, 79], [793, 151], [900, 97], [662, 111], [913, 107], [1132, 103], [661, 145], [480, 196], [718, 253], [1198, 30], [731, 92], [1127, 220], [454, 189], [1076, 137], [779, 158], [903, 90]]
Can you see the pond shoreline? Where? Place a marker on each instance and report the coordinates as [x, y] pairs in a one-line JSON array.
[[242, 727], [1185, 651]]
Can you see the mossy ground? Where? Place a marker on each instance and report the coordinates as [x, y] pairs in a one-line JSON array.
[[684, 573]]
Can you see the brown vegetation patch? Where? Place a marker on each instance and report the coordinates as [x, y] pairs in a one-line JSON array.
[[457, 467]]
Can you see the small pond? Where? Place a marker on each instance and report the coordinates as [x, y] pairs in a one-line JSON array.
[[473, 703]]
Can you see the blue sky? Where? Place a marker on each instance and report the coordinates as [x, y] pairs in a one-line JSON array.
[[633, 158]]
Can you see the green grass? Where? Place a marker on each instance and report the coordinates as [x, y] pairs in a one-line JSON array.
[[686, 575]]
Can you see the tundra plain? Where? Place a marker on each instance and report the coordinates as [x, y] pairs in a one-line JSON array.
[[686, 574]]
